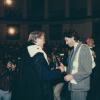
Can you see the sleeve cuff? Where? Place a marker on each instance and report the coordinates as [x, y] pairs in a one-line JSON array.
[[65, 68]]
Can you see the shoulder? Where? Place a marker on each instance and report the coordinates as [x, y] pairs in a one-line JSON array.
[[38, 56], [85, 50], [85, 47]]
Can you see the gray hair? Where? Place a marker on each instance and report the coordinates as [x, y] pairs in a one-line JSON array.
[[34, 35]]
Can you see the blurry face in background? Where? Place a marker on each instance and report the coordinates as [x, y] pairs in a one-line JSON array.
[[90, 42], [69, 41], [11, 66], [41, 41]]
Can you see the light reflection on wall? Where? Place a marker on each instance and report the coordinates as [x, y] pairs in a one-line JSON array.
[[12, 31], [8, 2]]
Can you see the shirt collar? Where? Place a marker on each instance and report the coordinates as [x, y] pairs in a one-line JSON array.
[[75, 45], [33, 49]]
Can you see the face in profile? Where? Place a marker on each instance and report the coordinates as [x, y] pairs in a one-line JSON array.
[[69, 41], [90, 42], [41, 40]]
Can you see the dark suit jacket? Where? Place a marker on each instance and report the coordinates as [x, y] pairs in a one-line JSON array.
[[35, 79]]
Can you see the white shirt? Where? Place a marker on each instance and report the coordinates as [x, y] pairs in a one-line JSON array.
[[75, 46], [73, 80]]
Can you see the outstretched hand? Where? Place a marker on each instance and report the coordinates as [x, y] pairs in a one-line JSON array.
[[61, 67]]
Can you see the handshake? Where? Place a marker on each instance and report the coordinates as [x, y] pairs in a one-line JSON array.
[[62, 68]]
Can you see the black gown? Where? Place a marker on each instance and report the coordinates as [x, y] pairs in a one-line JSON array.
[[35, 79]]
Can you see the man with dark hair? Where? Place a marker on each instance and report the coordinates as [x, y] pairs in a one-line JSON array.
[[79, 67]]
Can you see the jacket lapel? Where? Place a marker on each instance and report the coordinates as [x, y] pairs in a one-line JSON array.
[[74, 54]]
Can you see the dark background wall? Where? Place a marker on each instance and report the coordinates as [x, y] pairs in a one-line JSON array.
[[54, 17]]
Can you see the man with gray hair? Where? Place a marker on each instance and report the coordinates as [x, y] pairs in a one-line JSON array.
[[35, 76]]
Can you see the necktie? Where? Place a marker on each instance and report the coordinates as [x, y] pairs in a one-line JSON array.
[[72, 52]]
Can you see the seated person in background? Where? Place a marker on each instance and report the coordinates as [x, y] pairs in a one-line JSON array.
[[6, 80]]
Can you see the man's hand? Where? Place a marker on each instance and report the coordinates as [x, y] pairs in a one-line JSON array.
[[68, 77], [61, 67]]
